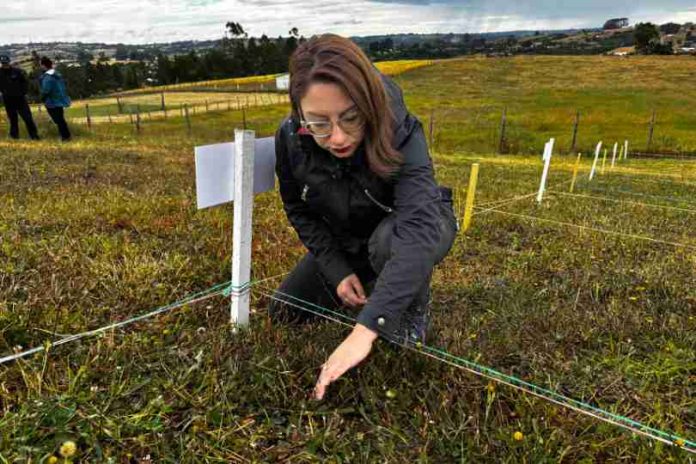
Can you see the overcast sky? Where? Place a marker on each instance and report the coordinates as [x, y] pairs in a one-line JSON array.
[[140, 21]]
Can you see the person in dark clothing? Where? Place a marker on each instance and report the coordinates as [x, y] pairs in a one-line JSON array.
[[14, 86], [358, 187], [55, 96]]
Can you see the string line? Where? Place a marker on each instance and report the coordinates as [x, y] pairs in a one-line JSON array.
[[492, 374]]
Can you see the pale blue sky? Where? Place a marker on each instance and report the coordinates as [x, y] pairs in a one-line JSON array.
[[138, 21]]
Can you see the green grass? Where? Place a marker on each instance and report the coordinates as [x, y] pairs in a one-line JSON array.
[[615, 96], [105, 228]]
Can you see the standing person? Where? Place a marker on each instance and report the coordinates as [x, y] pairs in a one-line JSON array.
[[358, 186], [14, 86], [55, 96]]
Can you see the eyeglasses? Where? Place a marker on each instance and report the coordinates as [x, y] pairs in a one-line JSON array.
[[351, 121]]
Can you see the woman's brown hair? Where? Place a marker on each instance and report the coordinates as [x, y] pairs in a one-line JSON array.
[[330, 58]]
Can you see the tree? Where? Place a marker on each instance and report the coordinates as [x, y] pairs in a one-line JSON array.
[[121, 53], [670, 28], [235, 29], [645, 35], [84, 56]]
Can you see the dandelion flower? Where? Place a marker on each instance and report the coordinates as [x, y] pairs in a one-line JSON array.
[[68, 449], [52, 460], [518, 436]]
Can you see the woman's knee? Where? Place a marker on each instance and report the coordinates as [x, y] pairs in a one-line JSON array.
[[293, 301]]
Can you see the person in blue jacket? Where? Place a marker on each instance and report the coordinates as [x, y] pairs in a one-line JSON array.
[[55, 96], [358, 187]]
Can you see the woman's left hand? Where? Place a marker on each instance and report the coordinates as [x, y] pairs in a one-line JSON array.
[[349, 353]]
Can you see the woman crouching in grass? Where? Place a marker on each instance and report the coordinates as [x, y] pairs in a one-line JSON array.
[[358, 186]]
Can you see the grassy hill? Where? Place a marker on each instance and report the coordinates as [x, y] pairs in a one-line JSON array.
[[588, 295]]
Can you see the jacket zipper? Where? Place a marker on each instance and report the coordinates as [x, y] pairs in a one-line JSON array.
[[384, 207]]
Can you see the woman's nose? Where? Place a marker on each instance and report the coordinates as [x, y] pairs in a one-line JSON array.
[[338, 136]]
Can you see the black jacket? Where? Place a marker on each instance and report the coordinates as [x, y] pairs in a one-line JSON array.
[[335, 205], [13, 82]]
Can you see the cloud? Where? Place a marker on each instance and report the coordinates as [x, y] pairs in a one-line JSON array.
[[171, 20]]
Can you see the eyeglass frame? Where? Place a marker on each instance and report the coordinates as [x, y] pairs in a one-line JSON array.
[[304, 123]]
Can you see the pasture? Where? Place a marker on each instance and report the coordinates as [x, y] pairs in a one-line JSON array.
[[589, 294]]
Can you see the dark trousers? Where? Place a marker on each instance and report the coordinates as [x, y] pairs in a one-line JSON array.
[[306, 284], [16, 107], [58, 116]]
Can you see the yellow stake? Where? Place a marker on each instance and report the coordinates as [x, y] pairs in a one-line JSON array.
[[604, 161], [621, 152], [469, 206], [575, 173]]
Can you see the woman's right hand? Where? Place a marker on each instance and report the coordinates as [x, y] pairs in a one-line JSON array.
[[351, 291]]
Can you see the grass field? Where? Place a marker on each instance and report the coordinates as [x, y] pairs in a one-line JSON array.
[[105, 228], [615, 97]]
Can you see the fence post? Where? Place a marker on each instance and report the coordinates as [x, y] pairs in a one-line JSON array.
[[651, 129], [613, 155], [206, 105], [431, 128], [575, 131], [470, 194], [242, 225], [625, 149], [503, 123], [188, 119], [137, 120], [162, 105], [89, 118], [244, 118]]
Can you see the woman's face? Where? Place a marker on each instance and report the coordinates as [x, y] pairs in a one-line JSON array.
[[325, 102]]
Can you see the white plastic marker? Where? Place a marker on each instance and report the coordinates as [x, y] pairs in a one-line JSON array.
[[234, 172], [596, 157], [625, 149], [613, 156], [548, 150], [604, 162]]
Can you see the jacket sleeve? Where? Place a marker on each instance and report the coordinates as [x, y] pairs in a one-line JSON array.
[[309, 225], [23, 83], [45, 84], [415, 237]]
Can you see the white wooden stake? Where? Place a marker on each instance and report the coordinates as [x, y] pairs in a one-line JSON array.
[[548, 150], [625, 149], [596, 157], [613, 155], [241, 238]]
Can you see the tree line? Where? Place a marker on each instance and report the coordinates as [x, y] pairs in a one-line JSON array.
[[236, 55]]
